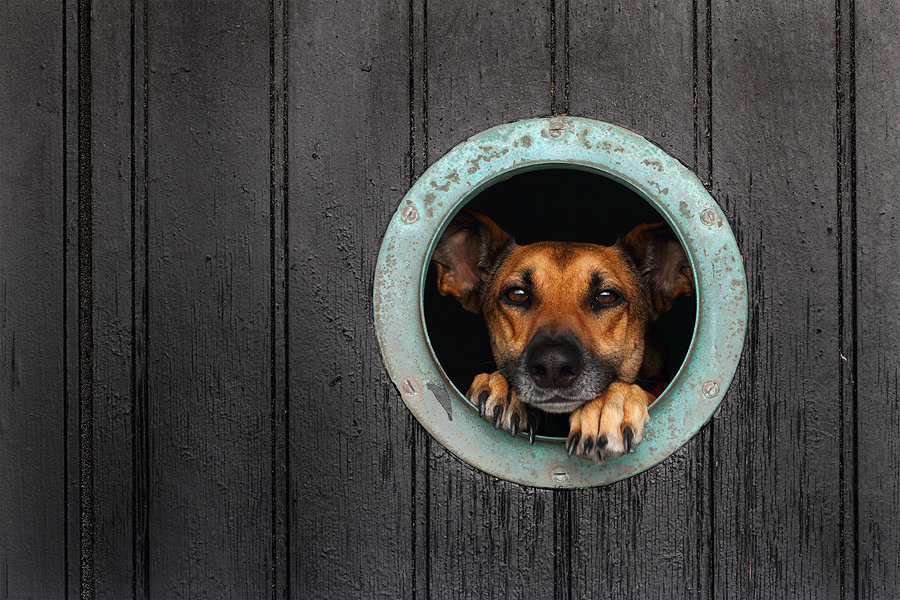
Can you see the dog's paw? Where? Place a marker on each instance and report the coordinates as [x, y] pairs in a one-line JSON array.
[[498, 403], [610, 425]]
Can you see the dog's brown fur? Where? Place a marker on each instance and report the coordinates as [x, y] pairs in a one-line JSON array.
[[568, 326]]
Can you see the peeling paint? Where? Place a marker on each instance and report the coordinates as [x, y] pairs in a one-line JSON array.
[[653, 164]]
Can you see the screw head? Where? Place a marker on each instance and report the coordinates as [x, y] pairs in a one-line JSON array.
[[708, 217], [711, 389], [411, 386], [560, 474], [557, 129], [409, 215]]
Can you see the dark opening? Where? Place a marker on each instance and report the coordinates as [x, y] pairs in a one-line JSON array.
[[548, 204]]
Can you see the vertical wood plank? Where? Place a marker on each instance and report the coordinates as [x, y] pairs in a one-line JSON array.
[[114, 302], [278, 220], [418, 438], [777, 441], [848, 288], [877, 104], [79, 543], [488, 63], [140, 267], [559, 56], [635, 65], [209, 300], [350, 524], [35, 533], [632, 64]]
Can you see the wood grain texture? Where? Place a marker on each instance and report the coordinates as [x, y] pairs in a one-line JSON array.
[[244, 161], [36, 536], [488, 63], [114, 300], [351, 525], [877, 106], [847, 282], [632, 64], [777, 476], [209, 301]]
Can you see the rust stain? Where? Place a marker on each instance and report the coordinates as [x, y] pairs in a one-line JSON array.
[[489, 155], [654, 164], [452, 176], [584, 139], [661, 190]]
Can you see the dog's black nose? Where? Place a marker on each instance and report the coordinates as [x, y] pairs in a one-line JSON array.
[[554, 366]]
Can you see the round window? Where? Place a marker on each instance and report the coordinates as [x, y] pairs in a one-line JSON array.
[[579, 183]]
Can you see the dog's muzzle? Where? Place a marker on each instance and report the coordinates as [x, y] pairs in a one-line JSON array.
[[556, 375]]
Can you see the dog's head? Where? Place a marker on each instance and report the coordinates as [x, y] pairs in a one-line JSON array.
[[565, 319]]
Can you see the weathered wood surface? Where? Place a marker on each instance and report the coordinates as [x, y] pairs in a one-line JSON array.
[[488, 538], [874, 286], [777, 477], [633, 64], [39, 539], [119, 305], [240, 165], [353, 529]]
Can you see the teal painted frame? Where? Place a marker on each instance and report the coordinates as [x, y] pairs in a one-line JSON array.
[[691, 398]]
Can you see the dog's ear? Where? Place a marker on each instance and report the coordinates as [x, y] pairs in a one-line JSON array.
[[465, 254], [661, 262]]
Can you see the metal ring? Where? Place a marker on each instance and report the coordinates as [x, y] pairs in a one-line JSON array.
[[613, 152]]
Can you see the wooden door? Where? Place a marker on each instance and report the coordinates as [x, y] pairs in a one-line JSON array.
[[192, 402]]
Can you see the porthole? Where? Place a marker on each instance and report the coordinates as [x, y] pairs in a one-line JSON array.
[[563, 151]]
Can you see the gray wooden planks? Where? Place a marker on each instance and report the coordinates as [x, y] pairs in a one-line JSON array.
[[632, 64], [877, 426], [209, 301], [39, 539], [488, 63], [351, 527], [116, 288], [278, 142], [777, 476]]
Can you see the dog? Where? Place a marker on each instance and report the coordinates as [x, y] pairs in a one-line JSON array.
[[569, 326]]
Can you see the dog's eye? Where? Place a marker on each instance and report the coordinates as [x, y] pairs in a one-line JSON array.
[[517, 295], [606, 299]]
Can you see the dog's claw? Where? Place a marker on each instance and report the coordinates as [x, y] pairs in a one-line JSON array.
[[532, 425], [573, 443], [498, 412], [611, 424], [588, 445], [514, 426], [482, 401]]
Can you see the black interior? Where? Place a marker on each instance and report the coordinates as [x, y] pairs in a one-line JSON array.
[[547, 204]]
